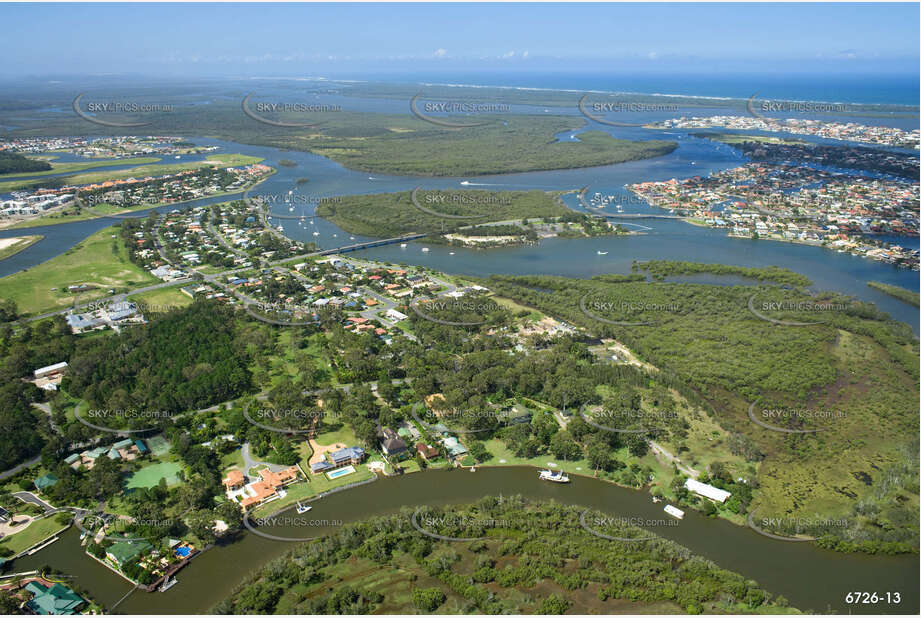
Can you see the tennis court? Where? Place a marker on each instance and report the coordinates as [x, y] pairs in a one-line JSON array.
[[150, 476], [158, 445]]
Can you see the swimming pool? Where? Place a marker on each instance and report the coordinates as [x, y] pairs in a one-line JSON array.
[[182, 552], [340, 472]]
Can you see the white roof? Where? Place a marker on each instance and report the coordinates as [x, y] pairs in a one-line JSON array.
[[707, 491], [50, 368]]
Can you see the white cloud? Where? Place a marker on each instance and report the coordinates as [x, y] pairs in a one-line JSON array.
[[441, 53]]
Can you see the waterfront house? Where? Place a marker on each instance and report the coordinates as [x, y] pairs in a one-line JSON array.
[[346, 456], [427, 452], [391, 444], [267, 487], [125, 551], [54, 600], [707, 491], [455, 448]]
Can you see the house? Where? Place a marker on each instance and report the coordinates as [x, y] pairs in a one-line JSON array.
[[395, 315], [44, 482], [455, 448], [51, 370], [320, 466], [427, 452], [141, 447], [54, 600], [345, 456], [125, 551], [234, 480], [707, 491], [391, 444], [267, 487], [4, 515]]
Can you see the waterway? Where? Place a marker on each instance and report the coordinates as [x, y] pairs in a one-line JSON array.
[[572, 257], [809, 577]]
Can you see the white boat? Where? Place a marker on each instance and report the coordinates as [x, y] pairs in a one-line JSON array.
[[451, 253], [674, 511], [553, 477], [303, 508], [168, 584], [351, 238], [465, 182], [316, 233], [601, 252], [280, 228], [402, 245], [177, 156], [425, 249]]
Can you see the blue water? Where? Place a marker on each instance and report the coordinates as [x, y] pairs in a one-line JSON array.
[[899, 89]]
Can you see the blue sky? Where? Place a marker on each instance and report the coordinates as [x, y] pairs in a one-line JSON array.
[[287, 39]]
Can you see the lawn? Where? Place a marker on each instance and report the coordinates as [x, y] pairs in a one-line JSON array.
[[149, 476], [163, 299], [34, 533], [99, 260]]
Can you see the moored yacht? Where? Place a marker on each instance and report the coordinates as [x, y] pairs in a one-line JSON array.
[[553, 477]]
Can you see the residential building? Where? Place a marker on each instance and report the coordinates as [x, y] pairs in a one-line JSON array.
[[54, 600]]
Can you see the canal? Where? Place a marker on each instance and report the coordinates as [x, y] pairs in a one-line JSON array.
[[809, 577]]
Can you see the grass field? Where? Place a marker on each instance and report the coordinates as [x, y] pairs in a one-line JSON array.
[[35, 532], [163, 299], [149, 476], [99, 260]]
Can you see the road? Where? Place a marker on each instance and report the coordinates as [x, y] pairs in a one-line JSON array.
[[660, 451], [28, 496]]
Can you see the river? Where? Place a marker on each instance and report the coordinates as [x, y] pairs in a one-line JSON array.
[[573, 257], [809, 577]]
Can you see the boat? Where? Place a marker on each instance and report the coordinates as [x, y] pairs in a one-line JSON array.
[[303, 508], [351, 238], [425, 249], [402, 245], [178, 157], [168, 584], [553, 477], [601, 252], [674, 511], [451, 253], [280, 228], [316, 233], [465, 182]]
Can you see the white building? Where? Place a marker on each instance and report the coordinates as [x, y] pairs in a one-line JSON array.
[[395, 315], [707, 491]]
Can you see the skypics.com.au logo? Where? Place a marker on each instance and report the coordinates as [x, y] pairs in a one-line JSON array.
[[96, 109], [257, 111], [424, 110]]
